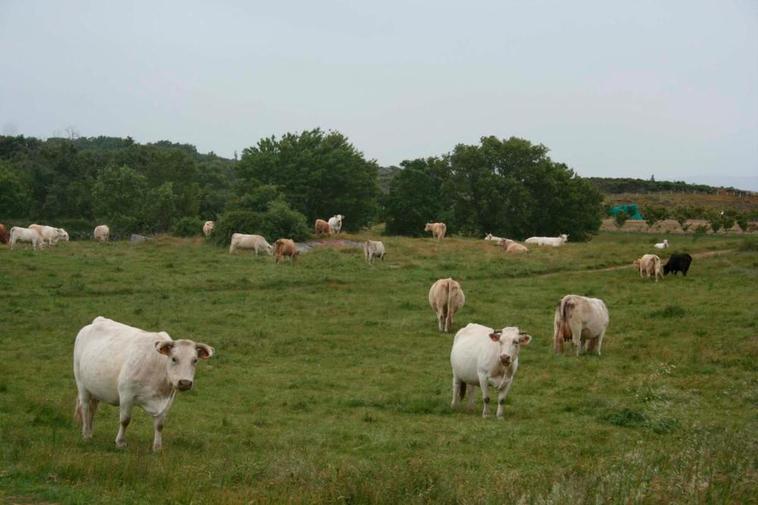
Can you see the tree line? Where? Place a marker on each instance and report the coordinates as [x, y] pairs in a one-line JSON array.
[[280, 185]]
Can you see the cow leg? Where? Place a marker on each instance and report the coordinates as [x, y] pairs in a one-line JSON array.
[[600, 342], [456, 392], [484, 384], [125, 416], [471, 397], [576, 336], [158, 428], [501, 394], [86, 412]]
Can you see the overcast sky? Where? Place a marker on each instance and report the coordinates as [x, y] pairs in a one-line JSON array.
[[613, 88]]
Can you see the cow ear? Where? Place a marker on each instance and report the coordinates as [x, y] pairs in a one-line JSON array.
[[164, 346], [495, 336], [524, 339], [204, 351]]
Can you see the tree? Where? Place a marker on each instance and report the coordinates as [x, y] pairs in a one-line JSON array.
[[415, 196], [320, 174], [654, 215], [620, 219], [682, 214], [119, 198], [714, 219], [14, 195], [743, 221]]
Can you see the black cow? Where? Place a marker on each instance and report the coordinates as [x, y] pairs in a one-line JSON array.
[[678, 262]]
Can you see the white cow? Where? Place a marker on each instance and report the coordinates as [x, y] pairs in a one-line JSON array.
[[446, 298], [125, 366], [208, 228], [373, 249], [482, 356], [102, 233], [662, 245], [50, 235], [19, 234], [335, 223], [254, 242], [549, 241], [649, 264], [581, 320], [497, 240]]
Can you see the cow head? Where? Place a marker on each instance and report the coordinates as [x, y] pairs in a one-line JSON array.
[[62, 234], [564, 238], [428, 227], [509, 340], [489, 237], [182, 358]]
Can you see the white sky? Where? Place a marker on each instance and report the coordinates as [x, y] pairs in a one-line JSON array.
[[613, 88]]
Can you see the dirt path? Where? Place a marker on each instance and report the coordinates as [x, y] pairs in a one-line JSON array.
[[706, 254]]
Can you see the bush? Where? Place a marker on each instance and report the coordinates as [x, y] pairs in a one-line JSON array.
[[620, 218], [278, 221], [236, 221], [188, 226]]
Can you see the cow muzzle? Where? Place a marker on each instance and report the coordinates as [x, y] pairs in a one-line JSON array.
[[184, 385], [505, 360]]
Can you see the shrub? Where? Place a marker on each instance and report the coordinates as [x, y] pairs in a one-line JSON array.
[[281, 221], [188, 226], [620, 218], [236, 221]]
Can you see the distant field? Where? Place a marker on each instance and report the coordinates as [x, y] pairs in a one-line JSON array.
[[331, 383], [718, 201]]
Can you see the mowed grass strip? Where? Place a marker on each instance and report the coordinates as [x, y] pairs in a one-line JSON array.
[[332, 384]]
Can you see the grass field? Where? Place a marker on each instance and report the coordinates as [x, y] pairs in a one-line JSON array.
[[331, 383]]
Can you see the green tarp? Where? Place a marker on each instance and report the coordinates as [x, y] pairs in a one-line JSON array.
[[631, 210]]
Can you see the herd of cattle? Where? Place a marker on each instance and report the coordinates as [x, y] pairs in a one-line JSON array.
[[126, 366]]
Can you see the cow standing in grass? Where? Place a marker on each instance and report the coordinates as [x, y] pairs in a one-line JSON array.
[[101, 233], [548, 241], [208, 227], [580, 320], [125, 366], [19, 234], [285, 247], [321, 227], [678, 262], [4, 235], [373, 249], [335, 224], [242, 241], [438, 230], [484, 357], [649, 264], [446, 298]]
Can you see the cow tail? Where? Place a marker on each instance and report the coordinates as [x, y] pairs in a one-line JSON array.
[[567, 307], [451, 292]]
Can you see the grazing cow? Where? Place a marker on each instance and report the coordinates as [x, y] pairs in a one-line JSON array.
[[497, 240], [484, 357], [19, 234], [208, 227], [254, 242], [50, 235], [438, 230], [678, 262], [581, 320], [513, 247], [285, 247], [4, 236], [321, 227], [446, 298], [335, 224], [102, 233], [373, 249], [125, 366], [649, 264], [549, 241], [662, 245]]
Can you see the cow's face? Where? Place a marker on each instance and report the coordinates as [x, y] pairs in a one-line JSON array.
[[509, 342], [564, 237], [62, 234], [428, 227], [182, 360]]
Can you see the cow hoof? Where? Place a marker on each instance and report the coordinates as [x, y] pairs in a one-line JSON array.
[[120, 444]]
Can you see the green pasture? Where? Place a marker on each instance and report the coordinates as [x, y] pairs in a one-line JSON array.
[[331, 383]]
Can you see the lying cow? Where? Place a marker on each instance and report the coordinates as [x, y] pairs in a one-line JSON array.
[[285, 247], [19, 234], [208, 227], [241, 241], [125, 366], [678, 262], [101, 233], [497, 240], [321, 227], [484, 357], [513, 247], [581, 320], [438, 230], [662, 245], [446, 298], [373, 249], [649, 264], [50, 235], [548, 241], [4, 235], [335, 224]]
